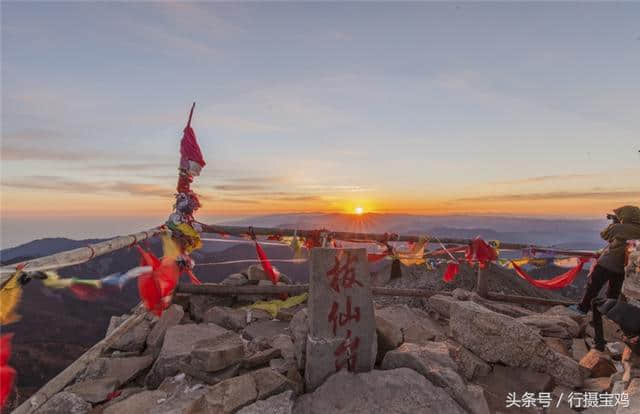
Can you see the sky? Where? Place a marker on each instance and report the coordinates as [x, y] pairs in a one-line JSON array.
[[526, 109]]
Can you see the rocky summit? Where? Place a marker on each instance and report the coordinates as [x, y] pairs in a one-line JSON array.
[[454, 352]]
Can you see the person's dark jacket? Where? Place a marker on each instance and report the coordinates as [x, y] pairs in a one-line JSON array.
[[617, 234]]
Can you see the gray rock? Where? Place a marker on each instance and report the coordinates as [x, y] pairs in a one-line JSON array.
[[579, 349], [210, 378], [114, 322], [389, 336], [299, 329], [433, 361], [633, 391], [178, 343], [123, 369], [415, 324], [134, 339], [268, 383], [236, 279], [200, 304], [229, 395], [341, 316], [261, 358], [170, 317], [285, 345], [278, 404], [499, 338], [564, 311], [598, 364], [397, 391], [183, 396], [552, 325], [265, 328], [441, 304], [142, 402], [95, 390], [214, 354], [234, 319], [469, 364], [65, 403], [509, 309], [504, 380]]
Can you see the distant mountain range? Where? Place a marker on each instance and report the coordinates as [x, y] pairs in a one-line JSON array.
[[565, 233]]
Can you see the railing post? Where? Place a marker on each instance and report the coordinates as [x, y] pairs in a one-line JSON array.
[[482, 283]]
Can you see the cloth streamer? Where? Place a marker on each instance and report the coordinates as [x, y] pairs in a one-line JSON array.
[[156, 287], [266, 265], [191, 158], [274, 306], [451, 272], [557, 282], [9, 298]]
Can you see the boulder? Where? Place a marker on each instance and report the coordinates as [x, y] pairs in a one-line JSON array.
[[278, 404], [114, 322], [142, 402], [200, 304], [95, 390], [229, 395], [441, 304], [235, 279], [170, 317], [389, 336], [559, 345], [552, 325], [268, 383], [285, 345], [469, 364], [393, 391], [504, 380], [134, 339], [598, 364], [299, 329], [260, 358], [123, 369], [65, 403], [286, 314], [266, 328], [210, 378], [433, 361], [182, 397], [415, 325], [633, 392], [509, 309], [560, 310], [178, 343], [214, 354], [499, 338], [256, 272]]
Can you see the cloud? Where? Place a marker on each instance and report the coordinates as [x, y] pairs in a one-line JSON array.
[[239, 187], [32, 134], [11, 153], [557, 195], [547, 178]]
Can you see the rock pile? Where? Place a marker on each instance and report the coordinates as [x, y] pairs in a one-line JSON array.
[[453, 354]]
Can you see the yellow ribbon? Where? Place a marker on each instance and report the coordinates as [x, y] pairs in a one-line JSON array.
[[274, 306], [9, 298]]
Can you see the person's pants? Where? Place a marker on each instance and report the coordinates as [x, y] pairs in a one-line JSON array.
[[596, 281]]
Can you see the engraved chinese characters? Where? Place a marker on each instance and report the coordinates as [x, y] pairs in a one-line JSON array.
[[342, 332]]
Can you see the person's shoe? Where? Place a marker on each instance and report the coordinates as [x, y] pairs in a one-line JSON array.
[[576, 309]]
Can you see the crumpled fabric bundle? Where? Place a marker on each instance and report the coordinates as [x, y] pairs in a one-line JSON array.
[[186, 235], [191, 159]]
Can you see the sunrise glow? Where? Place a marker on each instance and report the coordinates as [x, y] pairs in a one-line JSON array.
[[358, 210]]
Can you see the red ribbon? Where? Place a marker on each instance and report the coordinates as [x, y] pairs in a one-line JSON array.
[[266, 264], [451, 272], [557, 282]]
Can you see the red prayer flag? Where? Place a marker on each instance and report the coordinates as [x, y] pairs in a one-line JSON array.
[[481, 252], [190, 150], [266, 264], [7, 373], [451, 272]]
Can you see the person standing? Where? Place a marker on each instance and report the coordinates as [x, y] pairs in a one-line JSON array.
[[610, 266]]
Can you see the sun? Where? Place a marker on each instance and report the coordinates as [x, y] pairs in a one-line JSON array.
[[358, 210]]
